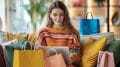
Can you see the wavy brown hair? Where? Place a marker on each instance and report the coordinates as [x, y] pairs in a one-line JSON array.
[[67, 24]]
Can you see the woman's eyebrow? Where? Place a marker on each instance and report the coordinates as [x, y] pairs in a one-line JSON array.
[[54, 13]]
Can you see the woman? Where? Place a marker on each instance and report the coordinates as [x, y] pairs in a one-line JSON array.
[[60, 32]]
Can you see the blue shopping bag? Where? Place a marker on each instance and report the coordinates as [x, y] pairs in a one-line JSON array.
[[89, 26]]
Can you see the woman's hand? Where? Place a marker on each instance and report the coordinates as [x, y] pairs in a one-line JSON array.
[[75, 57], [70, 65]]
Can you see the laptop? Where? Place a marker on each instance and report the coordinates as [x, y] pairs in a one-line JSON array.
[[51, 50]]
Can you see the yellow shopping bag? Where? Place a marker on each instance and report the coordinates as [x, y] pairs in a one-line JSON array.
[[28, 58]]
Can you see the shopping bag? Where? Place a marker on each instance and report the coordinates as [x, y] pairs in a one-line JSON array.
[[2, 59], [56, 60], [89, 26], [14, 45], [28, 58], [113, 47], [105, 59]]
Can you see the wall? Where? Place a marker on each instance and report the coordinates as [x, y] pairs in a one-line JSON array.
[[2, 14], [98, 12]]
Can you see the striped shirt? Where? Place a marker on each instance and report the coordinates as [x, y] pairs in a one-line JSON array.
[[58, 37]]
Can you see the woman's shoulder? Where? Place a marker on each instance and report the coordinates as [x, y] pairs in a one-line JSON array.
[[42, 30]]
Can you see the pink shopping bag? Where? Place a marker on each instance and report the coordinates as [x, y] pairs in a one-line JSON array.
[[56, 60], [105, 59]]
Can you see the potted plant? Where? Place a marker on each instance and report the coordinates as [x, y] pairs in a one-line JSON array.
[[36, 10]]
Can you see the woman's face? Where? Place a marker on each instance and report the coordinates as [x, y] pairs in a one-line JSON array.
[[57, 16]]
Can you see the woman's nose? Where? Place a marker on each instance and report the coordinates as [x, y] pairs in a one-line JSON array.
[[58, 17]]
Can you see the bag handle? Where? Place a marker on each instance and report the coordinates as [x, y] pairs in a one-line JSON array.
[[99, 57], [53, 50], [90, 14], [23, 47]]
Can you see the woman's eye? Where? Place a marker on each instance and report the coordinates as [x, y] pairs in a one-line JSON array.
[[54, 14], [62, 15]]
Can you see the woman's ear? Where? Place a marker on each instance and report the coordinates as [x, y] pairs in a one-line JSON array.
[[50, 16]]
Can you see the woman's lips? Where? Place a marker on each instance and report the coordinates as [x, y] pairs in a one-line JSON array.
[[59, 22]]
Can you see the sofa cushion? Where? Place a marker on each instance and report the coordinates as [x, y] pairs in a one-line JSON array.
[[90, 54], [11, 36], [3, 37], [89, 41], [109, 35], [114, 47], [32, 38]]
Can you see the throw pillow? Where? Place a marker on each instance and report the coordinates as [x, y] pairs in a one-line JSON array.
[[89, 55], [87, 43], [97, 36], [32, 38], [114, 47], [3, 37], [11, 36]]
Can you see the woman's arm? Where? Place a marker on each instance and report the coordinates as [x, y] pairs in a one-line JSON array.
[[75, 51], [41, 37]]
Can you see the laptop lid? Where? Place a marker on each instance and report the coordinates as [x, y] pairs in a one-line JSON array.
[[60, 49]]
